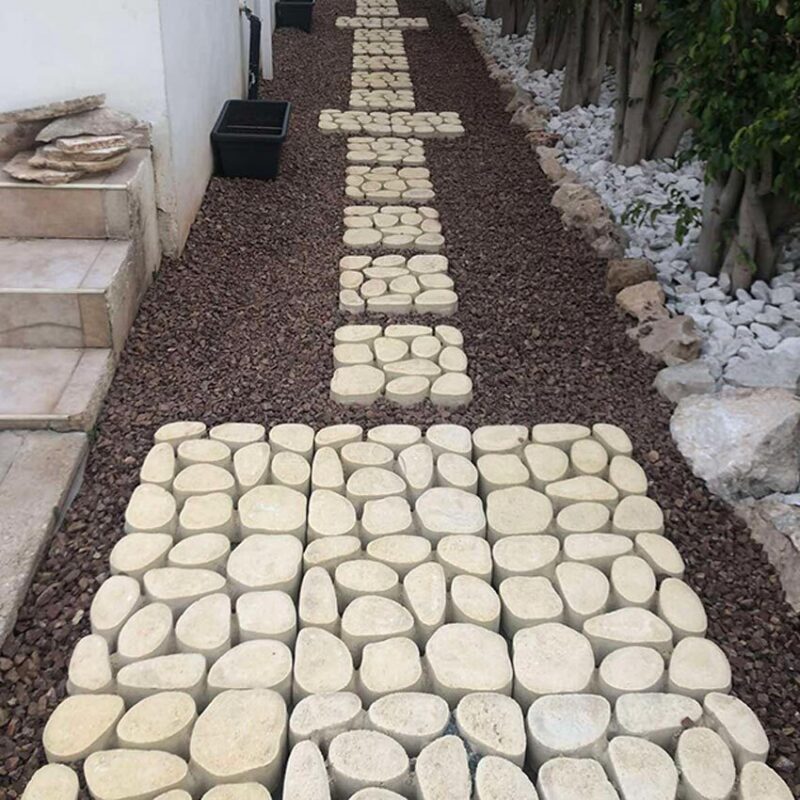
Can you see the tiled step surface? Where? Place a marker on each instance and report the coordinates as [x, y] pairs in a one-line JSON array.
[[68, 292], [56, 388], [120, 205], [40, 472]]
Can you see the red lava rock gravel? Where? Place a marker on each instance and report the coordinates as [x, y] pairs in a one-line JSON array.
[[241, 328]]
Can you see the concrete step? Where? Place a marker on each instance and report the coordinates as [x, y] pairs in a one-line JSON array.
[[57, 388], [120, 205], [68, 292], [40, 473]]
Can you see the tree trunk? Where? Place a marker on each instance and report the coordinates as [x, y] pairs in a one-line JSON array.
[[550, 40], [741, 222], [516, 16], [589, 29], [495, 8]]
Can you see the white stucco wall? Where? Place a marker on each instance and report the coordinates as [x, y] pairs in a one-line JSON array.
[[171, 63]]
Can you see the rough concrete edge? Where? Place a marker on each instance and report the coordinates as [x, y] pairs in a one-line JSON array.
[[68, 494]]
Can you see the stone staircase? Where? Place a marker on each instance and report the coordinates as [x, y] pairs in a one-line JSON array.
[[75, 260]]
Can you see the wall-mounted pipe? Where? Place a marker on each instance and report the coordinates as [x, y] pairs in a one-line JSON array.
[[254, 57]]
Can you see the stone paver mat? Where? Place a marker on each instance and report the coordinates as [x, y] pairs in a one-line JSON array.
[[406, 364], [366, 35], [397, 23], [341, 613], [380, 80], [387, 150], [399, 99], [391, 226], [420, 124], [365, 62], [395, 284], [388, 184]]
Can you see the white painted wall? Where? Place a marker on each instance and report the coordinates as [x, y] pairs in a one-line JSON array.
[[171, 63]]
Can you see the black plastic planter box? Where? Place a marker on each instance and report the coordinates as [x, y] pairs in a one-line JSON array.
[[247, 138], [294, 14]]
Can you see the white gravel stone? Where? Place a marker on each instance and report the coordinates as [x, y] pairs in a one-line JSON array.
[[738, 726], [628, 626], [89, 669], [499, 439], [706, 765], [443, 511], [582, 518], [660, 553], [266, 562], [199, 479], [758, 782], [210, 513], [241, 736], [115, 601], [546, 464], [306, 777], [529, 601], [448, 438], [81, 725], [388, 667], [598, 550], [657, 717], [636, 514], [413, 719], [322, 664], [135, 553], [585, 590], [424, 594], [179, 588], [442, 771], [358, 759], [372, 618], [134, 774], [492, 725], [273, 510], [681, 608], [400, 552], [569, 778], [317, 606], [52, 782], [203, 451], [358, 578], [151, 509], [330, 514], [147, 633], [465, 658], [582, 489], [292, 437], [201, 551], [179, 672], [251, 466], [525, 555], [633, 583], [499, 779], [550, 659], [176, 432], [567, 725], [266, 615], [474, 600], [321, 717], [161, 722], [205, 627], [456, 472], [698, 667], [158, 466], [641, 770], [631, 669], [258, 664]]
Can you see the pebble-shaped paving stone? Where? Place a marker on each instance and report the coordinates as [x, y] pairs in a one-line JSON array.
[[387, 645], [387, 23], [420, 124]]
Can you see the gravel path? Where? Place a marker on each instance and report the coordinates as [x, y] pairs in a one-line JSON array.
[[241, 328]]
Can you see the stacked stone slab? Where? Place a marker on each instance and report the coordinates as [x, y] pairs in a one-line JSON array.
[[406, 364], [336, 613]]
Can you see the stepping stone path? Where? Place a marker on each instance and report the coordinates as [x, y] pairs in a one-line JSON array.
[[381, 647], [406, 364], [439, 614]]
